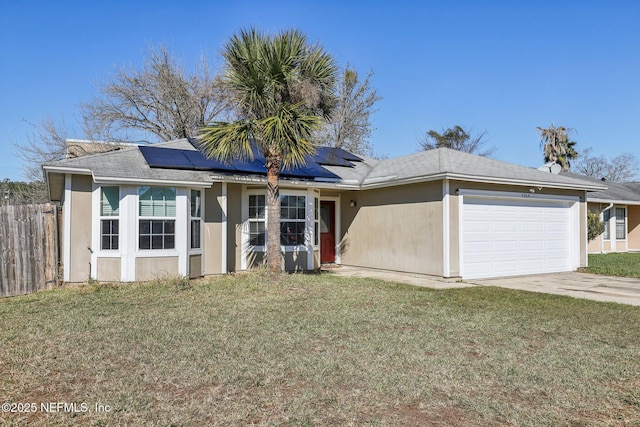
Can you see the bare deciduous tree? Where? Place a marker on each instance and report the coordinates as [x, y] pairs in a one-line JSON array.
[[456, 138], [159, 100], [622, 168], [47, 143], [349, 127]]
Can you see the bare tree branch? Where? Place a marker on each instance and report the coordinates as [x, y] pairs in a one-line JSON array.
[[349, 127], [622, 168]]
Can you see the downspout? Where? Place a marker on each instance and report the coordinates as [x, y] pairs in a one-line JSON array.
[[602, 238]]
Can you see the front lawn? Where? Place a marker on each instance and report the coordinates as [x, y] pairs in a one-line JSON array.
[[318, 350], [625, 264]]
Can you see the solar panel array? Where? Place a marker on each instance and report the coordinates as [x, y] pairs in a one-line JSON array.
[[170, 158]]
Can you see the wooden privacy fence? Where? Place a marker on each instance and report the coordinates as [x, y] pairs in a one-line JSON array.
[[29, 249]]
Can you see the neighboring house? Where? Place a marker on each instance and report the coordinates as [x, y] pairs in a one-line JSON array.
[[619, 209], [139, 212]]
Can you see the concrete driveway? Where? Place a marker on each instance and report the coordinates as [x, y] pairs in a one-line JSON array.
[[596, 287], [622, 290]]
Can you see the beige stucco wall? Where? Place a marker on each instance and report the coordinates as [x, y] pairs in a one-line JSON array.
[[80, 232], [633, 218], [394, 228], [108, 270], [212, 230], [234, 227], [152, 268]]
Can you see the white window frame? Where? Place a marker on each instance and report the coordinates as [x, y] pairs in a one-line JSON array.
[[102, 217], [196, 251], [606, 234], [307, 247], [154, 252], [305, 221], [624, 222]]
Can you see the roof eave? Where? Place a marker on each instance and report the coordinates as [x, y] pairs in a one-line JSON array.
[[616, 201], [483, 179]]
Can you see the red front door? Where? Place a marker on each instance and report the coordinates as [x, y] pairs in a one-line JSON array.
[[327, 232]]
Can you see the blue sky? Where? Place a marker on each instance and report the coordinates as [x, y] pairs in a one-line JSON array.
[[503, 67]]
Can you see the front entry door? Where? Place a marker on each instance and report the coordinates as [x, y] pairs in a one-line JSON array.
[[327, 232]]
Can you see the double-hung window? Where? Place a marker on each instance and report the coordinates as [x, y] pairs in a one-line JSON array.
[[109, 218], [621, 225], [257, 220], [156, 217], [196, 218], [292, 220]]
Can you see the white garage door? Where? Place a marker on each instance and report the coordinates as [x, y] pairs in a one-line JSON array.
[[506, 237]]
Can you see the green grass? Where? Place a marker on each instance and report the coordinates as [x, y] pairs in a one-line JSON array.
[[319, 350], [625, 264]]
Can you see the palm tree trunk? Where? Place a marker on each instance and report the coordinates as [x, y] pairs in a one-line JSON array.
[[273, 221]]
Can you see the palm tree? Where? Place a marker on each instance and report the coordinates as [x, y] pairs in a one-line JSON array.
[[282, 88], [556, 145]]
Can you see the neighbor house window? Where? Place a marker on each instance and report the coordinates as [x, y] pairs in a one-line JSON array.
[[257, 220], [292, 220], [109, 222], [621, 229], [606, 216], [196, 218], [157, 218]]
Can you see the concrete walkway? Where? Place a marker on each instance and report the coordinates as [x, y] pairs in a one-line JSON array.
[[394, 276], [595, 287]]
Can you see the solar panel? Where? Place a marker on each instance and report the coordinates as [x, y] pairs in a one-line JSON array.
[[200, 162], [344, 154], [167, 158], [327, 156]]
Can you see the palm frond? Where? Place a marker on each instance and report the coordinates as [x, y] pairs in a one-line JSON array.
[[228, 141]]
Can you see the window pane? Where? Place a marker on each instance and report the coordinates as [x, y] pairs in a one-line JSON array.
[[156, 242], [169, 241], [157, 201], [156, 227], [109, 234], [169, 227], [315, 208], [145, 242], [257, 233], [606, 216], [325, 219], [316, 242], [256, 206], [620, 223], [195, 234], [110, 201], [301, 213], [106, 243], [195, 203]]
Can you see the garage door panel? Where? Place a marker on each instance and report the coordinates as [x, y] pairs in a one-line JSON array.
[[504, 246], [503, 237]]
